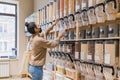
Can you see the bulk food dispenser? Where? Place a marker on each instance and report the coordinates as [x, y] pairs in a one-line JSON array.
[[111, 9], [100, 12], [83, 13], [91, 12], [77, 13], [71, 13]]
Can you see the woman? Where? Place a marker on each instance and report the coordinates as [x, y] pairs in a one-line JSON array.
[[39, 47]]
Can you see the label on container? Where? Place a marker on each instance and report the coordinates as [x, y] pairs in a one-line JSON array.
[[76, 55], [89, 57], [97, 58], [107, 58], [82, 56]]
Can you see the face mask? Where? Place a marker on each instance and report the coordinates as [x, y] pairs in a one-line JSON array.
[[40, 30]]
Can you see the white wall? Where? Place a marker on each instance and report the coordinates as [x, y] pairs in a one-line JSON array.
[[26, 7], [39, 4]]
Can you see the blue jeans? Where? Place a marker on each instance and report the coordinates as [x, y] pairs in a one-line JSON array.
[[36, 72]]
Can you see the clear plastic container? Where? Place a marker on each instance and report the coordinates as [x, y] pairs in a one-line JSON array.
[[84, 4], [57, 8], [65, 78], [100, 1], [51, 11], [91, 15], [84, 17], [119, 5], [78, 19], [111, 9], [71, 6], [66, 23], [100, 13], [58, 26], [71, 21], [44, 15], [77, 5], [70, 73], [61, 8], [66, 7], [60, 69], [59, 76], [62, 28], [54, 10], [40, 17], [47, 13], [47, 75]]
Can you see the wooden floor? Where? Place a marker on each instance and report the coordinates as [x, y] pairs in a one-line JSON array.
[[16, 78]]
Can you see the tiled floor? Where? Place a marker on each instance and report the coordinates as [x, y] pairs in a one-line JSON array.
[[16, 79]]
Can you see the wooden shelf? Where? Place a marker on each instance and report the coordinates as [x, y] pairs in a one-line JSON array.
[[68, 40], [90, 39], [71, 29], [109, 38], [84, 27]]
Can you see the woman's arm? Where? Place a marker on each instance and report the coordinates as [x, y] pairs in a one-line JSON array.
[[51, 27], [48, 44]]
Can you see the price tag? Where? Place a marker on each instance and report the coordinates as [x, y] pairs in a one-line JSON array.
[[76, 55], [89, 57], [107, 58], [97, 58], [82, 56]]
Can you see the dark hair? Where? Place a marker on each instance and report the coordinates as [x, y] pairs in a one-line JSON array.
[[30, 27]]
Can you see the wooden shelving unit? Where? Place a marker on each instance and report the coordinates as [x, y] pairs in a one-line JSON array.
[[78, 29], [91, 39], [68, 40], [117, 21]]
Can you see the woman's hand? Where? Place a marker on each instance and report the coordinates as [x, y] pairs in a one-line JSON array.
[[61, 34], [56, 21]]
